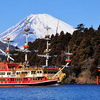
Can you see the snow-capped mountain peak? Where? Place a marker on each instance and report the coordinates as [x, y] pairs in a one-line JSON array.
[[37, 25]]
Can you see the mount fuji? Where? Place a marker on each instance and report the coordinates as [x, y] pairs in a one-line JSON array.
[[37, 25]]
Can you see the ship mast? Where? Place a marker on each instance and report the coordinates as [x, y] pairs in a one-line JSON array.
[[8, 47], [68, 60], [47, 38], [26, 46], [68, 54], [47, 50]]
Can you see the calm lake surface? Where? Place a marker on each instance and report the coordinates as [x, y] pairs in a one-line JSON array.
[[63, 92]]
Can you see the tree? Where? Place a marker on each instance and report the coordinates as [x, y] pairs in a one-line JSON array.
[[80, 27], [99, 28]]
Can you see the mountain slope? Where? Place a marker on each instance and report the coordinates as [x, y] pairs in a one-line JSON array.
[[38, 22]]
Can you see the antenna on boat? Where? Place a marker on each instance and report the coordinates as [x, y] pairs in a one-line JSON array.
[[57, 25], [26, 46], [7, 53], [47, 38]]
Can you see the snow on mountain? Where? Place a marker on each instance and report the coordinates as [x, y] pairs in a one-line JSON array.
[[37, 24]]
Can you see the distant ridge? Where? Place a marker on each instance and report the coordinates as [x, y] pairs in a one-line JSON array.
[[38, 22]]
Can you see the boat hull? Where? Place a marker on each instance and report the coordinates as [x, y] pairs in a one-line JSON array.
[[45, 83]]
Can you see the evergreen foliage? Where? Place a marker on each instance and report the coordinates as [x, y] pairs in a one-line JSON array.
[[80, 27]]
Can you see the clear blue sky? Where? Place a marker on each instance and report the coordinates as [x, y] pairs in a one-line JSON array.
[[73, 12]]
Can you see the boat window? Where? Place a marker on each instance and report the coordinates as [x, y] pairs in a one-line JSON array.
[[26, 72], [55, 72], [51, 72], [2, 73], [18, 73], [14, 72], [2, 79], [35, 78], [48, 72], [12, 79], [8, 73], [32, 72], [25, 79], [18, 79], [39, 78], [37, 71], [32, 79], [45, 72], [2, 67]]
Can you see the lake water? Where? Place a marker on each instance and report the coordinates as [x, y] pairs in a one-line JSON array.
[[63, 92]]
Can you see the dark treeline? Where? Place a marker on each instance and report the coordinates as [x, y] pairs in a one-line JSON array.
[[84, 44]]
